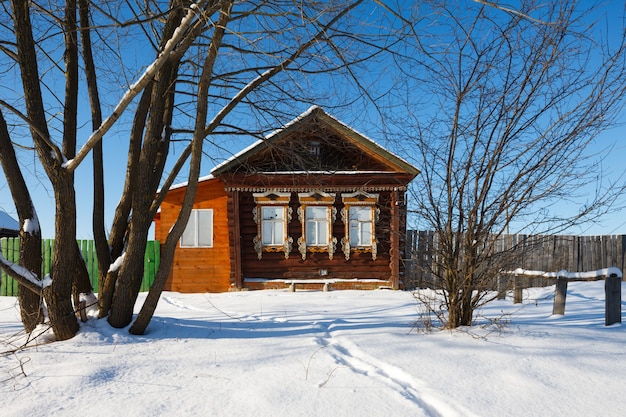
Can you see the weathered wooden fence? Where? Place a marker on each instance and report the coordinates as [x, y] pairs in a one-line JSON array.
[[11, 252], [530, 252]]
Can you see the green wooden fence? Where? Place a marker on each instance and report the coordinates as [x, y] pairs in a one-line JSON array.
[[11, 252]]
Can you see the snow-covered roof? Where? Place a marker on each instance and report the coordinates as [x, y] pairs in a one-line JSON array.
[[317, 112], [184, 184], [7, 222]]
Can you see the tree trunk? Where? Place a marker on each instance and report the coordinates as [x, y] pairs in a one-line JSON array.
[[128, 281], [30, 240], [64, 260]]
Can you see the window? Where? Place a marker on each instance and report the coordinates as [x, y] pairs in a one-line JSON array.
[[360, 226], [315, 148], [359, 215], [273, 225], [317, 225], [317, 214], [199, 230], [272, 215]]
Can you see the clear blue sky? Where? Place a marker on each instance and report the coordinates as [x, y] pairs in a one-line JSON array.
[[115, 144]]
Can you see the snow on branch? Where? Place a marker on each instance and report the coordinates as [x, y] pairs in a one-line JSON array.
[[604, 272], [24, 276]]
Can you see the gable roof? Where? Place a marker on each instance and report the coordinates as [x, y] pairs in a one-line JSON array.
[[319, 117]]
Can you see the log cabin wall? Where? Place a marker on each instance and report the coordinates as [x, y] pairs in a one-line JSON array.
[[199, 269], [274, 265]]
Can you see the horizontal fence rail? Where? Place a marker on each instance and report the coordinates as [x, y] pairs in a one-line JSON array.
[[530, 252], [11, 252]]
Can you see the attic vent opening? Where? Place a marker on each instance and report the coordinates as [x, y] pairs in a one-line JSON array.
[[315, 148]]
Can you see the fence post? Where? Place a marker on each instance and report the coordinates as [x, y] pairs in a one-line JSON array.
[[613, 294], [517, 289], [560, 293], [501, 286]]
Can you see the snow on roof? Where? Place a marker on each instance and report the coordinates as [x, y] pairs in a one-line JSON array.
[[8, 222], [184, 184]]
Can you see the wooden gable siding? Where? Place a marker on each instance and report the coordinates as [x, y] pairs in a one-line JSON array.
[[199, 269], [274, 265], [295, 152]]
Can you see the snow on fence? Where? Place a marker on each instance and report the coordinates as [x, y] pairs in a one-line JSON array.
[[530, 252], [612, 288], [11, 251]]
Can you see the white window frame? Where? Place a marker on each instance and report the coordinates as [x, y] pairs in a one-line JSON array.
[[272, 224], [359, 200], [194, 224], [319, 224], [360, 242], [317, 199], [275, 200]]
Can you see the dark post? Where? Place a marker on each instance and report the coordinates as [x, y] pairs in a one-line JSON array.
[[560, 293], [613, 294], [517, 289], [501, 286]]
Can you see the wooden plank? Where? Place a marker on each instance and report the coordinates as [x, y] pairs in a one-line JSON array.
[[560, 296], [622, 255], [14, 253], [4, 277]]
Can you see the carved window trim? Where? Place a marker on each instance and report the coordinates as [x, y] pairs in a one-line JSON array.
[[355, 201], [276, 200], [311, 200]]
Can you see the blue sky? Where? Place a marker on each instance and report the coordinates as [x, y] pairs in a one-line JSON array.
[[361, 116]]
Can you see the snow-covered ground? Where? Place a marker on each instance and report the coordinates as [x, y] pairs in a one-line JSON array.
[[341, 353]]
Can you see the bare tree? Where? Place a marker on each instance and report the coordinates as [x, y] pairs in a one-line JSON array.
[[504, 107], [204, 67]]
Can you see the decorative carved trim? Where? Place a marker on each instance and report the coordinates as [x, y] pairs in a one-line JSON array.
[[332, 246], [288, 246], [345, 245], [302, 247], [258, 247], [301, 216], [374, 249]]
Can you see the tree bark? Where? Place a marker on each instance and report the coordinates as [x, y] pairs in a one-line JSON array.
[[30, 240]]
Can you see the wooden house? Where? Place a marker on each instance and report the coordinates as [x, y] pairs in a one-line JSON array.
[[314, 204]]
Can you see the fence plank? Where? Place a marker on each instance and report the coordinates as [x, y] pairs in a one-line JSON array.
[[541, 253], [10, 251]]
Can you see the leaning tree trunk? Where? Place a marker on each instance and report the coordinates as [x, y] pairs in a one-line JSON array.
[[30, 232], [30, 258]]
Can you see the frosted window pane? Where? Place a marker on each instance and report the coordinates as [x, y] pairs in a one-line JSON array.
[[189, 235], [310, 233], [322, 233], [273, 213], [366, 234], [272, 226], [205, 228], [361, 226], [317, 225]]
